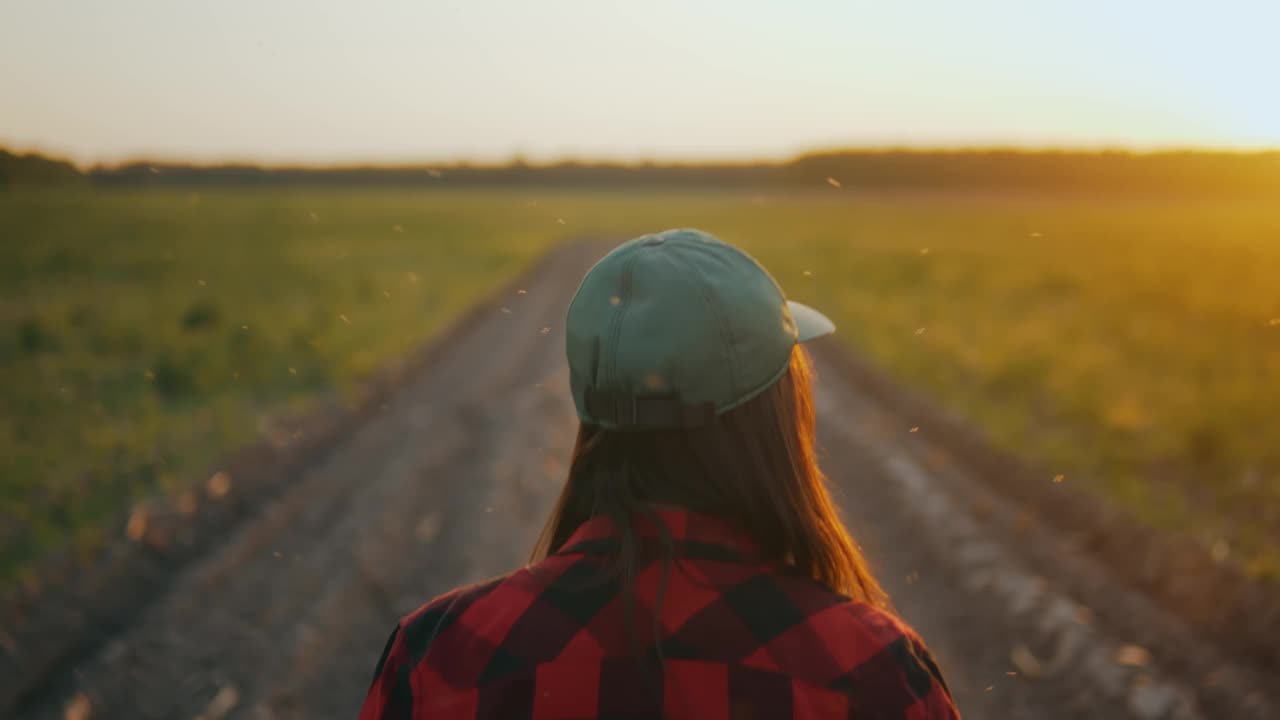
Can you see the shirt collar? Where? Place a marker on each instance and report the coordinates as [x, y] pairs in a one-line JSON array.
[[691, 532]]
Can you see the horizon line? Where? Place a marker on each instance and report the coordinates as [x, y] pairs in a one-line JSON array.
[[763, 159]]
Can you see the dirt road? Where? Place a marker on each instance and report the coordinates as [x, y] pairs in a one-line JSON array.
[[450, 482]]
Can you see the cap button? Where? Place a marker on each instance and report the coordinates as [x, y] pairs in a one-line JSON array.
[[654, 240]]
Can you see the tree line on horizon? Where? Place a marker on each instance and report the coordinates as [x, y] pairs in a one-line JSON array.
[[867, 169]]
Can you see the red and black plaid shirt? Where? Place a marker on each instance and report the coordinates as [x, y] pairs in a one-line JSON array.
[[739, 638]]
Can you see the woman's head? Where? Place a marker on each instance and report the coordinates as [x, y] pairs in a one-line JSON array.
[[754, 466], [693, 392]]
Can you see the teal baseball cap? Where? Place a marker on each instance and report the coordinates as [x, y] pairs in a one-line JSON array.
[[671, 329]]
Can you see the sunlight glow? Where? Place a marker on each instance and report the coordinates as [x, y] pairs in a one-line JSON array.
[[403, 80]]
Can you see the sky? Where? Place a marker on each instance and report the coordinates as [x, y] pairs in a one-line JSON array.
[[411, 81]]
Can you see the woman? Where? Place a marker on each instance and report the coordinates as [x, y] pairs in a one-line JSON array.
[[694, 566]]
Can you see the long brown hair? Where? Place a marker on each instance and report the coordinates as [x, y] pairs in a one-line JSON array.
[[755, 467]]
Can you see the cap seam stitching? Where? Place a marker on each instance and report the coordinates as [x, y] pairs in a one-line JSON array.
[[726, 333], [747, 256], [616, 330], [762, 386]]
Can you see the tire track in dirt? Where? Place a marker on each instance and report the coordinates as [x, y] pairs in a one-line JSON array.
[[974, 634], [449, 483], [1018, 613]]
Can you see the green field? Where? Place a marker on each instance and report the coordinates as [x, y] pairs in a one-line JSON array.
[[1129, 344]]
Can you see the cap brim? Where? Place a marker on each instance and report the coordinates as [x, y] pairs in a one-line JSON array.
[[810, 323]]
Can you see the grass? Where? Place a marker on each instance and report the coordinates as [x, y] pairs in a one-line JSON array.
[[1130, 344], [147, 333]]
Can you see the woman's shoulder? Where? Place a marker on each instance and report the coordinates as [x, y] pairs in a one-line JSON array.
[[861, 639], [880, 645], [443, 610], [874, 624], [476, 607], [880, 625], [440, 645]]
